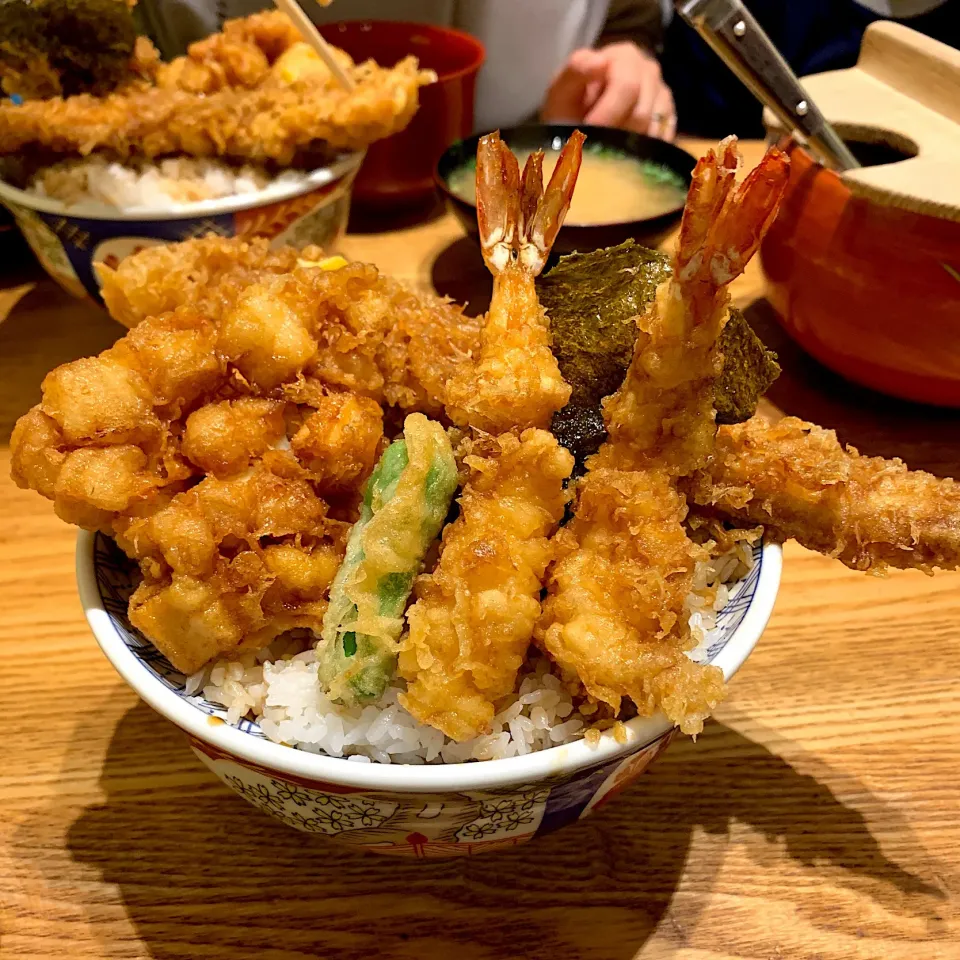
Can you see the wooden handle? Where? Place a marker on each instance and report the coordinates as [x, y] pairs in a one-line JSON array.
[[905, 92], [913, 64]]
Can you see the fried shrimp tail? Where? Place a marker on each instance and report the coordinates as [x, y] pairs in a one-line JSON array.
[[516, 382], [474, 616], [800, 483], [664, 413]]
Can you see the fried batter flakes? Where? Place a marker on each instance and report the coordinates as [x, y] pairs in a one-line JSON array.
[[252, 92], [206, 439], [208, 274], [213, 555], [614, 613], [339, 441]]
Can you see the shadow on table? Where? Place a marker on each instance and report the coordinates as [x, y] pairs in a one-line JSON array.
[[45, 328], [196, 866], [376, 218], [460, 273], [927, 438]]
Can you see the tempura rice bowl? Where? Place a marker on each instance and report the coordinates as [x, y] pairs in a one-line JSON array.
[[69, 239], [420, 809]]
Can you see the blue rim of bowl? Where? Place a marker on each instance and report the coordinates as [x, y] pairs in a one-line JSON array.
[[752, 607], [345, 164]]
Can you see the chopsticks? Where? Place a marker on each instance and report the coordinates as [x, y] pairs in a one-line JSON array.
[[313, 36]]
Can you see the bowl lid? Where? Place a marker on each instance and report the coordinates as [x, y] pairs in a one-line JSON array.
[[904, 91]]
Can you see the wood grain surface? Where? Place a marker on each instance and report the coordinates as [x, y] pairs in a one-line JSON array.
[[815, 819]]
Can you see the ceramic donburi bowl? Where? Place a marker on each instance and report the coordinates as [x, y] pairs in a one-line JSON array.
[[425, 811]]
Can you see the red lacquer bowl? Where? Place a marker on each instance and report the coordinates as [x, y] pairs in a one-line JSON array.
[[871, 291], [399, 170]]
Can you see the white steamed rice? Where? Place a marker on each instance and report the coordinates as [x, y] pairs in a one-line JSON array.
[[166, 185], [278, 687]]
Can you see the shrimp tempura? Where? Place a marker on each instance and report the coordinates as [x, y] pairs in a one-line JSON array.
[[663, 413], [473, 620], [797, 480], [616, 613], [516, 383]]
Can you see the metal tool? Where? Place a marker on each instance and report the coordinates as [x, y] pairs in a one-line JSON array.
[[730, 29]]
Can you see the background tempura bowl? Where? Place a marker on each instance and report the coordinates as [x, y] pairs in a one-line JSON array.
[[423, 811], [398, 171], [69, 243]]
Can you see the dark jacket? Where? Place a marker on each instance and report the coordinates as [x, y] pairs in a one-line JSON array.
[[813, 36]]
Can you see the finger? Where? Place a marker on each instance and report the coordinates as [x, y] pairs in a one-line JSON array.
[[567, 98], [662, 114], [588, 62], [670, 109], [616, 103], [670, 132], [645, 106], [665, 110], [594, 89]]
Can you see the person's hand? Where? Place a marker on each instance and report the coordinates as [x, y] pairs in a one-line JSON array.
[[616, 86]]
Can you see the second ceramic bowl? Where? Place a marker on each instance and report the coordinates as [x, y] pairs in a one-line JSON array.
[[68, 243], [871, 291]]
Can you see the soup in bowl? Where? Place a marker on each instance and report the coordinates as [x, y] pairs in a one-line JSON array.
[[630, 186]]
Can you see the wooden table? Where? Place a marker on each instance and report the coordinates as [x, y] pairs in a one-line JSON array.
[[817, 817]]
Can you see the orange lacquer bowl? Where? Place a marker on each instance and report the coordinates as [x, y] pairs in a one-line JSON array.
[[398, 171], [870, 290]]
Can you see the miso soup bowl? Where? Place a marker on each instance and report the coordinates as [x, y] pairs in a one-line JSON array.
[[575, 237], [421, 811], [70, 241]]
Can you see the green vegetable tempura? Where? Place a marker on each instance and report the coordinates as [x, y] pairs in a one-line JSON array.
[[405, 504]]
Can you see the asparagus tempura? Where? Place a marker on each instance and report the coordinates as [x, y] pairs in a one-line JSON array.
[[404, 506]]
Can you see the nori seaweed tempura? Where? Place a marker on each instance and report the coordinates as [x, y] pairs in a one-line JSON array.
[[592, 300]]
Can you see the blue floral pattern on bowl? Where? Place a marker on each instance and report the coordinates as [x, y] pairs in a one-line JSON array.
[[69, 245]]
